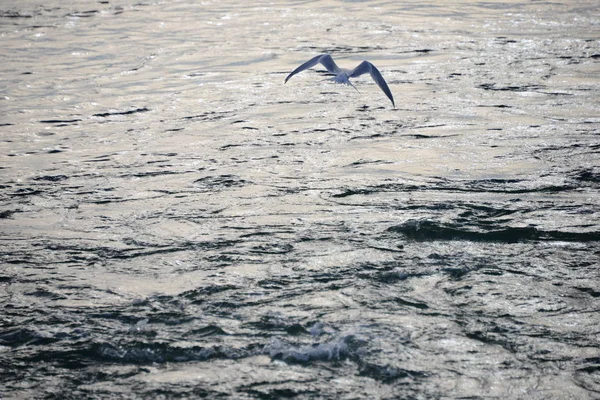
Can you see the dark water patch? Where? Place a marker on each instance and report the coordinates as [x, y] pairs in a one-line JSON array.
[[271, 323], [209, 116], [14, 14], [137, 352], [129, 112], [83, 14], [592, 292], [376, 189], [388, 277], [496, 106], [60, 121], [508, 186], [219, 182], [457, 273], [511, 88], [296, 330], [373, 136], [482, 212], [268, 230], [51, 178], [202, 295], [330, 276], [170, 155], [393, 247], [229, 146], [426, 230], [337, 349], [156, 249], [99, 159], [421, 136], [277, 393], [504, 40], [558, 153], [210, 330], [412, 304], [25, 192], [115, 199], [91, 253], [195, 74], [8, 213], [325, 130], [388, 373], [516, 186], [589, 377], [274, 284], [27, 153], [587, 175], [429, 126], [272, 248], [16, 337], [44, 293], [493, 338], [149, 174], [388, 272]]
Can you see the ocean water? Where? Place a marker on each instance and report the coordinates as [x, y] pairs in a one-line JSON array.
[[176, 222]]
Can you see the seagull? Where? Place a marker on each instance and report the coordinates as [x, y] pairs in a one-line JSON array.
[[343, 75]]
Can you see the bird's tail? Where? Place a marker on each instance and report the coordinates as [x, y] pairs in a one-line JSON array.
[[350, 83], [347, 82]]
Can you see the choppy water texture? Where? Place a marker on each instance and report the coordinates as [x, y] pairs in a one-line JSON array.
[[177, 222]]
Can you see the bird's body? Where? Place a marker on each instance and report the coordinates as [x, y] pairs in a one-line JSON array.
[[343, 75]]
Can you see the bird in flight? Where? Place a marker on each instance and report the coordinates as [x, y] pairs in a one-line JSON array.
[[343, 75]]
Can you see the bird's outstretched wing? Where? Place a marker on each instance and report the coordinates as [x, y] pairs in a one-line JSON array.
[[365, 67], [324, 59]]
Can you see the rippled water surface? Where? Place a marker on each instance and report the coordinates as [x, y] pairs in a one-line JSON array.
[[176, 222]]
